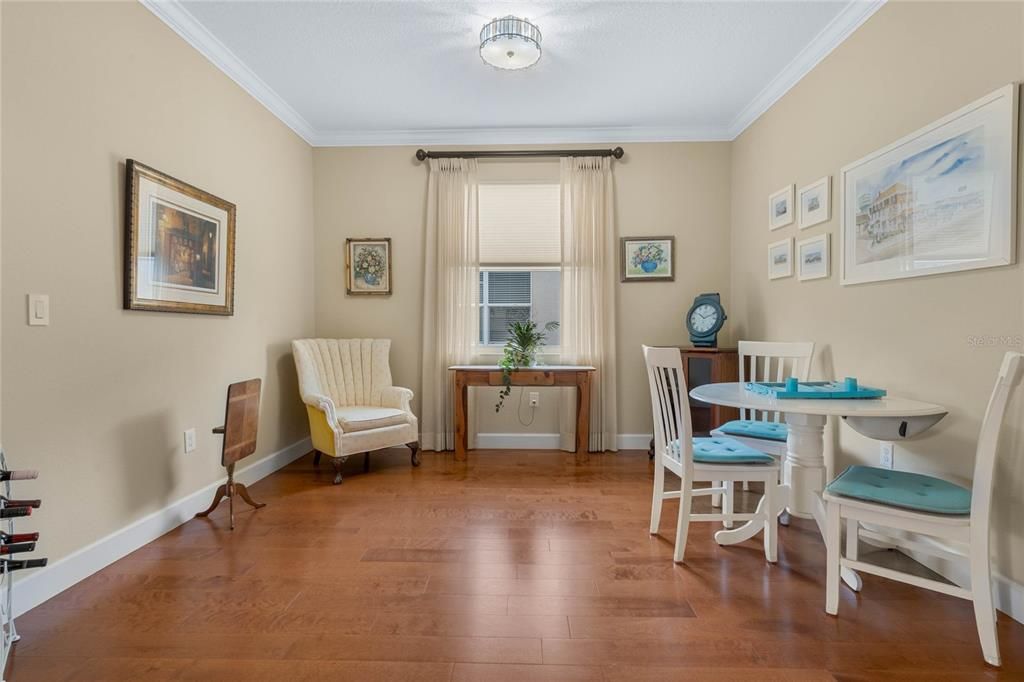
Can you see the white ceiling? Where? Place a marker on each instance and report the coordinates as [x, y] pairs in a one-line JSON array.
[[356, 73]]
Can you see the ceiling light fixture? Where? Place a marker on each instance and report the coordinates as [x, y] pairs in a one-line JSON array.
[[510, 43]]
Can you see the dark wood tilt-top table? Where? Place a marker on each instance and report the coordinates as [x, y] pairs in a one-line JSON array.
[[544, 375]]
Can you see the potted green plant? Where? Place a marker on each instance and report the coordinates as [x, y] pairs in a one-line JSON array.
[[524, 342]]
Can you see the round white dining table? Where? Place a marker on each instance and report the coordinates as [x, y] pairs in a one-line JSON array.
[[803, 468]]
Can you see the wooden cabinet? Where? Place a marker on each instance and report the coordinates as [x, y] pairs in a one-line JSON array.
[[708, 366]]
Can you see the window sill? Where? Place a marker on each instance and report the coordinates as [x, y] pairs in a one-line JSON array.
[[550, 353]]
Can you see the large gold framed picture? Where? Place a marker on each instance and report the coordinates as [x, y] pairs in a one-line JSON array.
[[179, 246]]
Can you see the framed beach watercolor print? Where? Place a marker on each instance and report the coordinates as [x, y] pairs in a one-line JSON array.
[[812, 261], [780, 259], [179, 245], [780, 208], [368, 266], [939, 200], [646, 259], [814, 202]]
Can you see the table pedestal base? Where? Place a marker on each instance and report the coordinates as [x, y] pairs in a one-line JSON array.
[[803, 470]]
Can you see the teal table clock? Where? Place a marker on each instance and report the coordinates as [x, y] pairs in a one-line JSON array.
[[705, 320]]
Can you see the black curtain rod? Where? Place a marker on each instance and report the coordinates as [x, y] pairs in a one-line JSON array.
[[422, 154]]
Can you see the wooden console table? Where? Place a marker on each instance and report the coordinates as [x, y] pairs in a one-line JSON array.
[[548, 375]]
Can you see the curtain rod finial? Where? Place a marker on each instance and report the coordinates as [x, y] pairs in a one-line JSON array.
[[421, 155], [618, 152]]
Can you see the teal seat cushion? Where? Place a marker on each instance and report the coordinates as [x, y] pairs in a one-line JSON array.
[[725, 451], [752, 428], [902, 489]]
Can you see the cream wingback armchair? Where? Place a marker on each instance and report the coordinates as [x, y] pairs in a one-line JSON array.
[[352, 406]]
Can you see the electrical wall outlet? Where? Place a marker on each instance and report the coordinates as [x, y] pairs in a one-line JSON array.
[[190, 440], [534, 398], [885, 454]]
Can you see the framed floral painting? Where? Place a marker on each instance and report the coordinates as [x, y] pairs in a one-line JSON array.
[[368, 266], [646, 259]]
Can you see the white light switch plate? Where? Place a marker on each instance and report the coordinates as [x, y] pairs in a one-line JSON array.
[[190, 440], [38, 310]]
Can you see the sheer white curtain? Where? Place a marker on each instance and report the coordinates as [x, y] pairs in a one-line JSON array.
[[450, 292], [588, 294]]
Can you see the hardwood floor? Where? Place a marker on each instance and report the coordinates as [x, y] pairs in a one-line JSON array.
[[514, 566]]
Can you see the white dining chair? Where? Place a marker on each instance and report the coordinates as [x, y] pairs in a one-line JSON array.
[[762, 430], [701, 459], [928, 506]]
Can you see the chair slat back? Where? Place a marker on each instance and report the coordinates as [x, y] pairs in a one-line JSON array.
[[988, 441], [670, 404], [773, 361]]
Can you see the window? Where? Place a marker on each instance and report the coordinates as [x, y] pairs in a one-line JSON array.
[[520, 273], [516, 295]]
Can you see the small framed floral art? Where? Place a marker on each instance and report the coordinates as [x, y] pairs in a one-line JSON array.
[[368, 266], [646, 259]]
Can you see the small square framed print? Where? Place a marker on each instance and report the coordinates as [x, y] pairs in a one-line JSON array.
[[815, 202], [646, 259], [812, 258], [780, 259], [368, 266], [780, 208]]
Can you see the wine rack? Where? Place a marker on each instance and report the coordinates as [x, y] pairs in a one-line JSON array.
[[8, 632]]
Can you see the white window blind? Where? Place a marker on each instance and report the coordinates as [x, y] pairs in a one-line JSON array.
[[519, 224]]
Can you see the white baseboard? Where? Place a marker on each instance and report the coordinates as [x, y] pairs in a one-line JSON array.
[[60, 575], [549, 441], [635, 441], [1008, 594]]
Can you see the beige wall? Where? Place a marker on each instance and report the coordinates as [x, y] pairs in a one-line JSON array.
[[907, 66], [679, 189], [98, 400]]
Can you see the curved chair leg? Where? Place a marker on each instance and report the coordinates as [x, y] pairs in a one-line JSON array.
[[832, 558], [415, 447], [336, 461], [771, 519], [316, 459], [657, 497], [981, 594], [683, 522]]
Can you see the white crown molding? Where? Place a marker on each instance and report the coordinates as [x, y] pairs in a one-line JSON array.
[[181, 21], [830, 37], [373, 138]]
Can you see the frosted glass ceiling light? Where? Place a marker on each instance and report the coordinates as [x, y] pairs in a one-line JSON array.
[[510, 43]]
